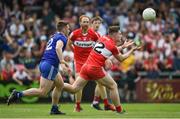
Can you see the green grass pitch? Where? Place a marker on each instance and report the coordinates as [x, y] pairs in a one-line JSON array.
[[136, 110]]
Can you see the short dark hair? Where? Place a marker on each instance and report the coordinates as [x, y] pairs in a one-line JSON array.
[[96, 19], [61, 24], [113, 29]]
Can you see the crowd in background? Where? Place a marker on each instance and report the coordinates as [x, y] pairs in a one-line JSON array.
[[26, 25]]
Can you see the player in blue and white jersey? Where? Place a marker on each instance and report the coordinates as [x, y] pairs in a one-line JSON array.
[[48, 66]]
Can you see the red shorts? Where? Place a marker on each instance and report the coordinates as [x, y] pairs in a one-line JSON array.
[[89, 72]]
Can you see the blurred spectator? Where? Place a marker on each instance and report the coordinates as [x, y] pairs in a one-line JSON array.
[[2, 23], [127, 63], [151, 66], [16, 27], [7, 65], [21, 77], [26, 25], [48, 15], [30, 64], [40, 45], [176, 62], [29, 41], [132, 76]]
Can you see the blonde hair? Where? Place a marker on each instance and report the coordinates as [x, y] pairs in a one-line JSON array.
[[82, 16]]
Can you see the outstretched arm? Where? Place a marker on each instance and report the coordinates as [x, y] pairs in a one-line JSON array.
[[120, 57], [126, 44]]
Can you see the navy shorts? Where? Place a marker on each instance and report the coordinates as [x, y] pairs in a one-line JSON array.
[[47, 70]]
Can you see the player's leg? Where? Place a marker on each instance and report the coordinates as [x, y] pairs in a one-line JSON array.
[[78, 97], [77, 85], [56, 93], [102, 91], [48, 73], [45, 87], [97, 96], [71, 81], [103, 94], [112, 86], [96, 99]]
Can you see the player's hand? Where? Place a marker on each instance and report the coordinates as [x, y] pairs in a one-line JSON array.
[[64, 66], [108, 64], [127, 43], [137, 47], [65, 63], [64, 69]]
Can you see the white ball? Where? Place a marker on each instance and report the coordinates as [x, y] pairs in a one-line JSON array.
[[149, 14]]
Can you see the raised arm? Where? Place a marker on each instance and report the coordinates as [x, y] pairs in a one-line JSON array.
[[126, 44], [120, 57]]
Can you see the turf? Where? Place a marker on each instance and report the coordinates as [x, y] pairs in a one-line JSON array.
[[135, 110]]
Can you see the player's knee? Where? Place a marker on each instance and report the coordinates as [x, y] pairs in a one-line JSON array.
[[75, 90], [43, 93], [113, 86], [100, 86], [60, 87]]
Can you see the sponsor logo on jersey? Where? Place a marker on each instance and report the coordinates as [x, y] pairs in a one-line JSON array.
[[84, 44]]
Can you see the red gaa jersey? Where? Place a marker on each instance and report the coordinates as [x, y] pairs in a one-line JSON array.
[[102, 50], [83, 44]]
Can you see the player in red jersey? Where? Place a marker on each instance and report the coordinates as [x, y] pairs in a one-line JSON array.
[[81, 42], [93, 68], [100, 90]]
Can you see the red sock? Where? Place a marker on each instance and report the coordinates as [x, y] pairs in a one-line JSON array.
[[78, 104], [96, 98], [119, 108], [105, 101]]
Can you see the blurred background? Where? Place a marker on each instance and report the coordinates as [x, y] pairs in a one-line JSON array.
[[151, 74]]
